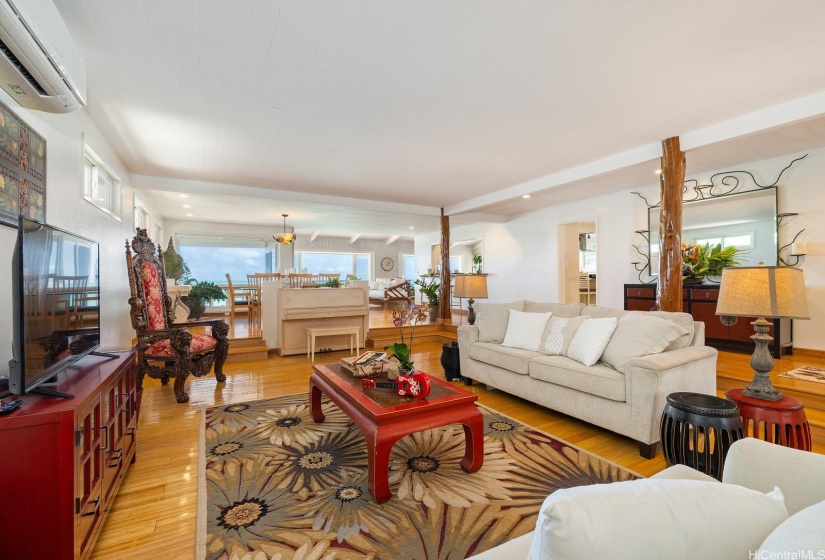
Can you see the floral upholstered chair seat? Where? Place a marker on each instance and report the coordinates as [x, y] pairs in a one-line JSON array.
[[166, 349], [199, 342]]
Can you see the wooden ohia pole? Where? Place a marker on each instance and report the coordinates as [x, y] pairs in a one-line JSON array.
[[671, 182]]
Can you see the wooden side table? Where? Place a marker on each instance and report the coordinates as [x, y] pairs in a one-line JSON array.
[[782, 422]]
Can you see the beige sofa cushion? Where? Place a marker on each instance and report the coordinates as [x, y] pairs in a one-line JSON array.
[[491, 319], [638, 334], [511, 359], [557, 309], [599, 380], [684, 320], [558, 333]]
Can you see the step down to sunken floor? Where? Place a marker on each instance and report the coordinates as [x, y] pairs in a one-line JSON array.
[[381, 337], [247, 350]]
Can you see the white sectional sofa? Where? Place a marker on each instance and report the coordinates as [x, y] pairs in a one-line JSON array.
[[751, 464], [624, 392]]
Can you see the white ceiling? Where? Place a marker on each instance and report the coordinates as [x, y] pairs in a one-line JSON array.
[[464, 105]]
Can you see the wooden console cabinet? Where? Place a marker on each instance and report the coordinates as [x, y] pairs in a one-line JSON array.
[[700, 301], [62, 460]]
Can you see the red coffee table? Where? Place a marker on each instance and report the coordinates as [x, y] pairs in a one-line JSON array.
[[385, 417]]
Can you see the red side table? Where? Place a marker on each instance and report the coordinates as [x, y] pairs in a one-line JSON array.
[[782, 422]]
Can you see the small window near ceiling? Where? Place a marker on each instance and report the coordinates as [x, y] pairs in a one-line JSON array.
[[742, 241], [141, 215], [101, 187], [710, 240]]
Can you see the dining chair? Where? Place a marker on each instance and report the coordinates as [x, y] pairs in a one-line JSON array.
[[238, 301], [299, 280], [323, 277], [586, 291], [68, 292], [254, 281]]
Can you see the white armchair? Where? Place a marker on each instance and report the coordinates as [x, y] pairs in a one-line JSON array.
[[753, 464]]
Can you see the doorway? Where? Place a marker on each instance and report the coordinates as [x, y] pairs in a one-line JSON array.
[[579, 262]]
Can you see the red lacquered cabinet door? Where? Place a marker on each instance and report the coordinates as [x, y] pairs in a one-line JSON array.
[[89, 474]]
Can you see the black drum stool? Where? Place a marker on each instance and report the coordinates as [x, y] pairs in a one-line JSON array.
[[450, 361], [697, 431]]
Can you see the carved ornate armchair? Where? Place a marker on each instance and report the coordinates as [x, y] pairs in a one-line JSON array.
[[165, 349]]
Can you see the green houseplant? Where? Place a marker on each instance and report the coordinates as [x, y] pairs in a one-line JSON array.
[[201, 292], [701, 261], [477, 263], [430, 289]]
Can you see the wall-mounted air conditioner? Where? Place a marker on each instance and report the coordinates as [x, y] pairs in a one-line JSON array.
[[40, 63]]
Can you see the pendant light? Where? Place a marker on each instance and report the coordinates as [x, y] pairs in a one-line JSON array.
[[284, 238]]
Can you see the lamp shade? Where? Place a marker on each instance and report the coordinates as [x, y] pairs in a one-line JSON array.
[[763, 291], [470, 286]]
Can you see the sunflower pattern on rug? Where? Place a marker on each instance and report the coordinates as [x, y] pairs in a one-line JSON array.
[[280, 486]]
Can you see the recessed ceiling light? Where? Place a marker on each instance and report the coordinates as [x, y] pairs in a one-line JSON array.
[[187, 206], [190, 215], [183, 195], [411, 227], [658, 172], [525, 196]]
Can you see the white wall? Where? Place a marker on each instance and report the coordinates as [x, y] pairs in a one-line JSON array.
[[522, 255], [66, 209]]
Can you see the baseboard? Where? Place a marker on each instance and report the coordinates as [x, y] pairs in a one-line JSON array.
[[808, 353]]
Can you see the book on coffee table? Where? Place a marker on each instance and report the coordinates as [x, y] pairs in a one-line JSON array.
[[368, 363]]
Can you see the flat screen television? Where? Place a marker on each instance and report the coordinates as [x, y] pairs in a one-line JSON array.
[[56, 304]]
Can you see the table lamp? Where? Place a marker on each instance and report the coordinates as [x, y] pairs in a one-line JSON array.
[[763, 292], [470, 286]]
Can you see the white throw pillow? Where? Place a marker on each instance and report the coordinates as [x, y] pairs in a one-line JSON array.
[[558, 334], [803, 531], [524, 330], [654, 519], [639, 335], [591, 339]]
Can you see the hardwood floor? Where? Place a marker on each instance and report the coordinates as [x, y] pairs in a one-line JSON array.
[[154, 515]]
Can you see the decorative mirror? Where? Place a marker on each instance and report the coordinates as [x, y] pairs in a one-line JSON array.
[[745, 219]]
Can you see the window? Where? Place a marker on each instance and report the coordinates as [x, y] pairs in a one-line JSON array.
[[408, 267], [330, 263], [739, 240], [101, 186], [141, 215], [211, 257], [455, 264]]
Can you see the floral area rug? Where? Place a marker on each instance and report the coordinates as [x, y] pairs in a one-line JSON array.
[[273, 484]]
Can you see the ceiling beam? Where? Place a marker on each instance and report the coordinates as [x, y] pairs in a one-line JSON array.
[[392, 239], [313, 236], [188, 186], [354, 238]]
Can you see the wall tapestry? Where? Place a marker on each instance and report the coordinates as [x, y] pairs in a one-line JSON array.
[[22, 170]]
